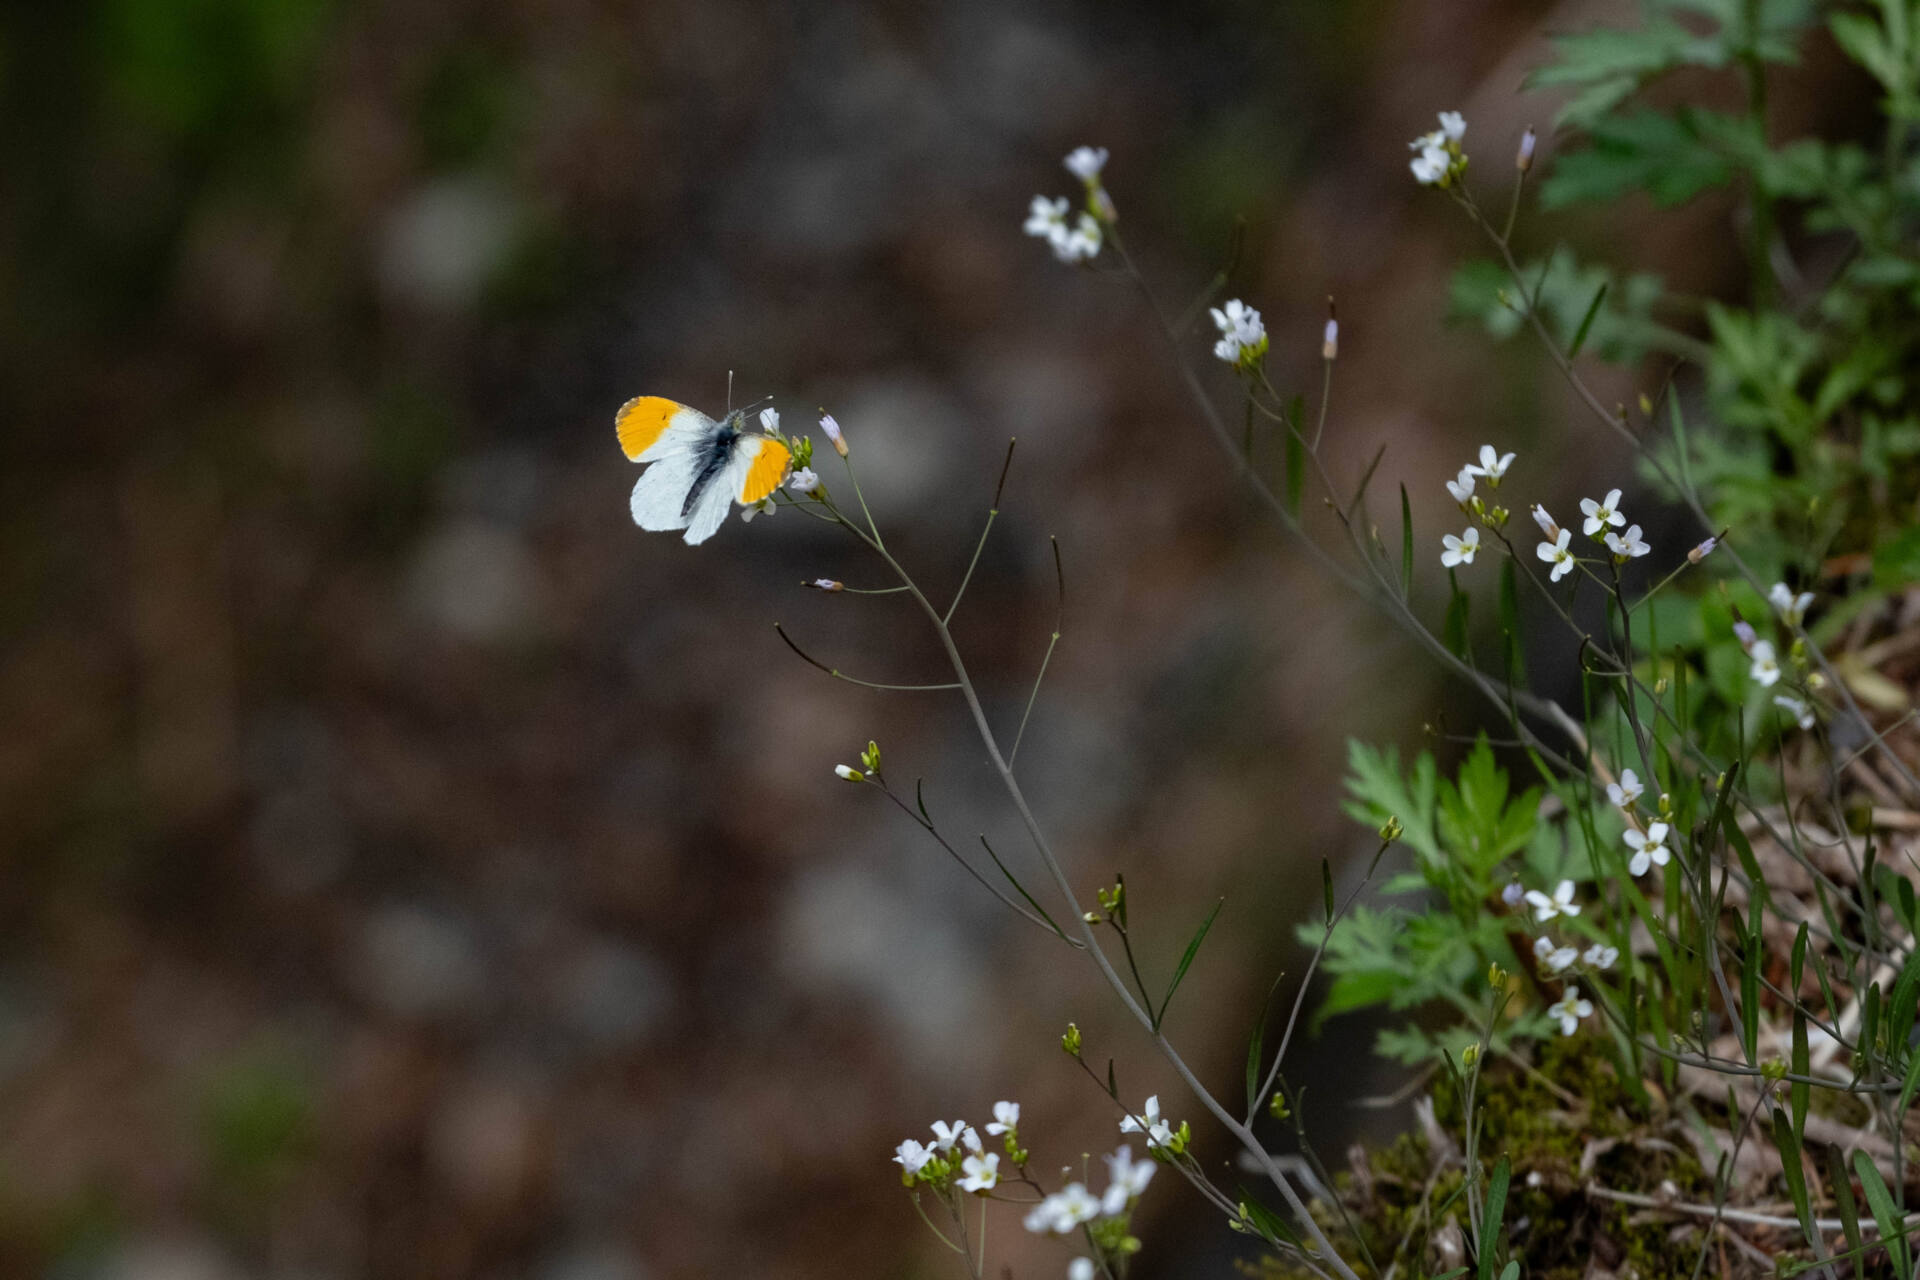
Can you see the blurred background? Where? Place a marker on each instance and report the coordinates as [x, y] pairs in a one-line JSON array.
[[410, 868]]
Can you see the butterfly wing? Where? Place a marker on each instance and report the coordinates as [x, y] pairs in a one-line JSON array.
[[756, 468], [651, 427], [660, 494]]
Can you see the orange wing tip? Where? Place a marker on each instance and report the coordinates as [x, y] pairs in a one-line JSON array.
[[643, 420], [769, 468]]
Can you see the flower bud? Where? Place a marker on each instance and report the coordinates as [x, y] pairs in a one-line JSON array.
[[1545, 521], [1744, 631], [1702, 551], [1330, 341], [1071, 1041], [1470, 1055], [1523, 159], [825, 584], [1391, 830], [832, 428], [850, 773]]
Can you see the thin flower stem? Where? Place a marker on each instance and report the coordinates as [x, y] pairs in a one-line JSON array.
[[938, 1234], [1326, 396], [977, 548], [841, 675], [973, 871], [1059, 619]]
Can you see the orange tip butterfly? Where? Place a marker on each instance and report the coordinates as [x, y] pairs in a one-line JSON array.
[[699, 467]]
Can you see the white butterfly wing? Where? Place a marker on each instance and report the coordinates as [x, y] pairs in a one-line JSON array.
[[710, 511], [660, 494]]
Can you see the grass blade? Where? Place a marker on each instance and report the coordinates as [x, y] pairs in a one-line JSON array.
[[1193, 949], [1586, 323], [1490, 1222]]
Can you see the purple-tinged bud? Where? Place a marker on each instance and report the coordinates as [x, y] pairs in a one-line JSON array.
[[1523, 160], [1702, 551], [832, 428]]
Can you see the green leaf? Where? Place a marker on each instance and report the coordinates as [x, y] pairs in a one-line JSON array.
[[1254, 1045], [1488, 1245], [1586, 321], [1787, 1137], [1799, 1092], [1662, 155], [1454, 630], [1841, 1185], [1885, 1214], [1193, 949], [1269, 1223]]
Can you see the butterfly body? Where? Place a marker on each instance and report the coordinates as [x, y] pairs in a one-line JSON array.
[[698, 468]]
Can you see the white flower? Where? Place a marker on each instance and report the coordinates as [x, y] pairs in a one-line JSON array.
[[1459, 550], [1558, 959], [1513, 895], [1046, 217], [1791, 608], [1431, 165], [1570, 1009], [1158, 1132], [1006, 1117], [1599, 957], [1648, 850], [1242, 335], [850, 773], [1601, 514], [1064, 1210], [982, 1171], [1556, 554], [1081, 1269], [1493, 464], [1560, 904], [832, 428], [764, 507], [1766, 669], [1545, 521], [1623, 793], [770, 420], [1085, 163], [1461, 488], [1453, 124], [1129, 1177], [1800, 711], [945, 1135], [1079, 244], [1627, 545], [911, 1156], [805, 480]]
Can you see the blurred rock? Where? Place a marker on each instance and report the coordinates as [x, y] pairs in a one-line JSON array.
[[418, 963]]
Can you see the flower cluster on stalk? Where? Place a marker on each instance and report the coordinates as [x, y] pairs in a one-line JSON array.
[[1075, 238], [1438, 160]]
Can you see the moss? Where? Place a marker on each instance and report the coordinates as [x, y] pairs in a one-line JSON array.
[[1557, 1228]]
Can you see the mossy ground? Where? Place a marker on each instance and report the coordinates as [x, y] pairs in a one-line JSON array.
[[1406, 1209]]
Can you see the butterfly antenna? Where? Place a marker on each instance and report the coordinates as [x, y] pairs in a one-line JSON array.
[[729, 391]]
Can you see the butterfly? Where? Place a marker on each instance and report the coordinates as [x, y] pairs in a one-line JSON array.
[[699, 467]]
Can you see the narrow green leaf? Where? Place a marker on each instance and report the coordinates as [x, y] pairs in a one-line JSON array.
[[1885, 1214], [1909, 1086], [1326, 887], [1511, 1271], [1586, 323], [1750, 998], [1510, 621], [1788, 1140], [1406, 547], [1796, 964], [1840, 1183], [1193, 949], [1268, 1223], [1454, 630], [1020, 888], [1255, 1044], [1487, 1247], [1799, 1092]]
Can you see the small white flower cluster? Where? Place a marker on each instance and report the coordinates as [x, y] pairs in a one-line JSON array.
[[1459, 550], [1438, 160], [978, 1168], [1602, 518], [1243, 338], [1649, 843], [1161, 1136], [1765, 668], [1074, 1205], [1079, 240], [1557, 958]]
